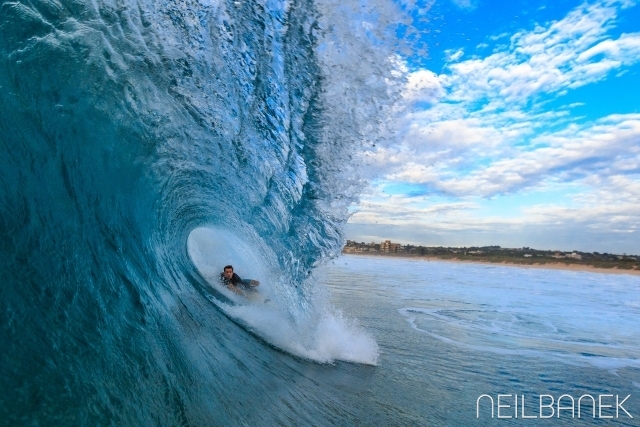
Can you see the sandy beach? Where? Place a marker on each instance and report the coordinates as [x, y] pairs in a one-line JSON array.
[[549, 266]]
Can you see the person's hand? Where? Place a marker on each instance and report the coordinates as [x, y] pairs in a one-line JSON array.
[[254, 282]]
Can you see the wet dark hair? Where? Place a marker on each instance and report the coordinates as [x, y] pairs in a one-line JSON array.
[[228, 266]]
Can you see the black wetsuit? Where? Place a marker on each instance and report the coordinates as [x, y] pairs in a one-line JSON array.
[[235, 280]]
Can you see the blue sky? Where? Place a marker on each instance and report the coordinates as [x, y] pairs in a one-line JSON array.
[[521, 127]]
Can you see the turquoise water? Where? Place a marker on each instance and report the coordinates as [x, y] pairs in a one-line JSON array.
[[125, 126], [451, 332], [144, 145]]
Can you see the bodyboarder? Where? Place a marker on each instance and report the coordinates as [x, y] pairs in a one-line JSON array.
[[232, 281]]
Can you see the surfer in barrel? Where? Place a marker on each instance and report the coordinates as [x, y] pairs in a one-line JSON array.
[[232, 281]]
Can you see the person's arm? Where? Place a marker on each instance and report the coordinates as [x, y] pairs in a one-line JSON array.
[[234, 288], [246, 282], [231, 284]]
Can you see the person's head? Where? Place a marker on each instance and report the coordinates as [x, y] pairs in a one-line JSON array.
[[228, 271]]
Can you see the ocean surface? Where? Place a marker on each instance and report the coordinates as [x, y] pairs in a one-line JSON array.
[[449, 333], [144, 145]]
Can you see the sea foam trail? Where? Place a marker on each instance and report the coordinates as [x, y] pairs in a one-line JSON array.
[[577, 318]]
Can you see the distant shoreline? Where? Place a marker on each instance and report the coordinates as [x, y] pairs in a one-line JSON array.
[[547, 265]]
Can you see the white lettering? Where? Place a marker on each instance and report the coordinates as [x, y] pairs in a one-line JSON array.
[[600, 406], [619, 405], [566, 408], [478, 405], [593, 402], [550, 405], [604, 401], [503, 406], [522, 410]]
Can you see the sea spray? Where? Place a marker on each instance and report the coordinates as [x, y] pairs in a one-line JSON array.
[[125, 126], [319, 333]]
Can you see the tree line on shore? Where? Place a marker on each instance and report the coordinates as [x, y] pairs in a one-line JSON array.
[[524, 255]]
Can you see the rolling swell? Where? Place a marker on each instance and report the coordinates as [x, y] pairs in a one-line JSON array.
[[125, 126]]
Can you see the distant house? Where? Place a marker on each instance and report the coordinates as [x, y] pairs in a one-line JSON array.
[[558, 255], [528, 255], [575, 256]]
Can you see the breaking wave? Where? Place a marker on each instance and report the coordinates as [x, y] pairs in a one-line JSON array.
[[144, 145]]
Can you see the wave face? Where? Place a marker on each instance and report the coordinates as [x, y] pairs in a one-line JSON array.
[[125, 126]]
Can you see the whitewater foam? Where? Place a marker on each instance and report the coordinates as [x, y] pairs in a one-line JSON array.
[[319, 333]]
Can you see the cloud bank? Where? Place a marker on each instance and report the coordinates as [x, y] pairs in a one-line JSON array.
[[483, 129]]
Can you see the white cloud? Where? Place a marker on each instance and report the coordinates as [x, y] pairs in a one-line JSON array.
[[569, 53], [464, 4], [591, 217], [488, 132], [405, 210], [424, 86], [453, 56], [610, 147], [611, 205], [498, 36]]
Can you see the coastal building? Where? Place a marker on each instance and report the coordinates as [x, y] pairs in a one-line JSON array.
[[387, 246]]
